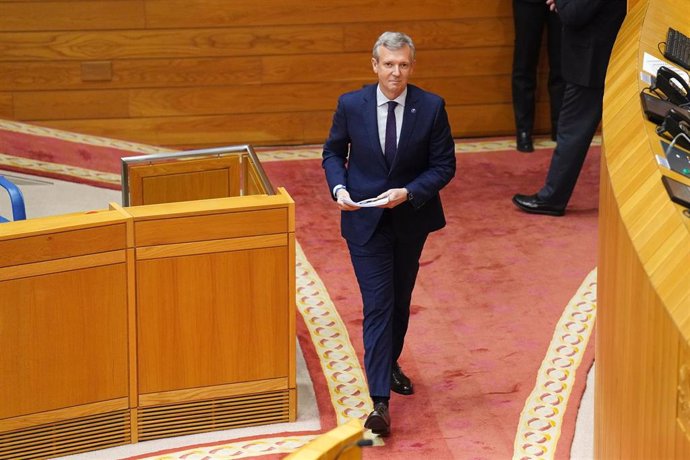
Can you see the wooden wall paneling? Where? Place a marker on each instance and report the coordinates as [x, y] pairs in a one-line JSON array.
[[273, 129], [196, 42], [206, 72], [260, 129], [465, 120], [472, 89], [34, 76], [185, 13], [72, 15], [490, 119], [250, 99], [438, 33], [56, 105], [192, 71], [131, 73], [356, 67], [6, 105]]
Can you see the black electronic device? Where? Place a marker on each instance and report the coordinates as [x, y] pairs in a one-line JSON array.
[[676, 127], [677, 159], [677, 48], [655, 108], [672, 85], [677, 191]]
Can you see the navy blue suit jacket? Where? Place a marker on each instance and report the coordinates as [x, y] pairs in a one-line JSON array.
[[425, 162]]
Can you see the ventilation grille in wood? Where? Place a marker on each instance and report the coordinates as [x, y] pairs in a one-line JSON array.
[[212, 415], [68, 437]]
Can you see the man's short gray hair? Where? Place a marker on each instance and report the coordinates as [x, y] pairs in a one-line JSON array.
[[393, 41]]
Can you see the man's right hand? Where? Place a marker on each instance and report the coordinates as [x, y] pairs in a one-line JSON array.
[[340, 196]]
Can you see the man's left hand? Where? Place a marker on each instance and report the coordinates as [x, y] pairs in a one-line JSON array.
[[395, 197]]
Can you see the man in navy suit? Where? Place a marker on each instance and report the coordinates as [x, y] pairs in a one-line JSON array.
[[589, 31], [390, 141]]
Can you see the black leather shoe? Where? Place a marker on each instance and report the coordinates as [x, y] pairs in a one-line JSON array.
[[379, 421], [524, 142], [533, 205], [400, 383]]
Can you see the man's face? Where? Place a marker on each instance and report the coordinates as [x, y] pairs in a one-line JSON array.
[[393, 68]]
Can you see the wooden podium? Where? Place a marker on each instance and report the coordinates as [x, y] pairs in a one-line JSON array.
[[215, 314], [642, 393], [148, 321]]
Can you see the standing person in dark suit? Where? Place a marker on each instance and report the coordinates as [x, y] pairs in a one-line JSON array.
[[530, 17], [388, 140], [589, 31]]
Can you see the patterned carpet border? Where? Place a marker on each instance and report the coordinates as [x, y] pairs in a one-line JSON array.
[[240, 449], [339, 363], [541, 419]]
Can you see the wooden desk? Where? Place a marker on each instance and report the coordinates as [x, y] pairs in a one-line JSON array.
[[642, 395], [64, 308], [146, 322]]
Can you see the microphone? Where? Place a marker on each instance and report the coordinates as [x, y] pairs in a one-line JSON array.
[[358, 443], [673, 142]]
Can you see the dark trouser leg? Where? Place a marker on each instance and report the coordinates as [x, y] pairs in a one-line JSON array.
[[578, 121], [374, 267], [529, 21], [556, 82], [407, 254], [386, 268]]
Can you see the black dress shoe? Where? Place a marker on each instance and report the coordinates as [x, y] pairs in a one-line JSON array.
[[400, 383], [379, 421], [524, 142], [533, 205]]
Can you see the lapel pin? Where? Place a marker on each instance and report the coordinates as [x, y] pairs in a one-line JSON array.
[[413, 110]]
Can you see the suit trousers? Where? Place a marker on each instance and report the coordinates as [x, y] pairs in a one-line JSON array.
[[578, 122], [386, 267], [530, 19]]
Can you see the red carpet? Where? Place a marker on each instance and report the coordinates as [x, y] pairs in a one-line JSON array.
[[492, 286]]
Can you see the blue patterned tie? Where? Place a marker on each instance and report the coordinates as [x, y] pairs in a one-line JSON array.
[[390, 144]]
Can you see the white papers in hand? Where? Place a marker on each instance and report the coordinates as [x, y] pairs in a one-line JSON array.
[[368, 203]]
